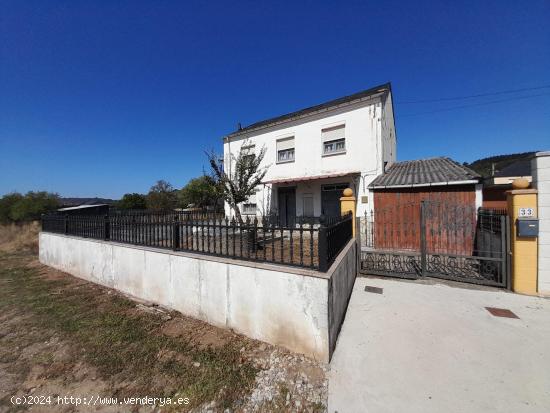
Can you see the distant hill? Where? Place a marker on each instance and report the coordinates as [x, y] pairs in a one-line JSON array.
[[484, 166], [71, 202]]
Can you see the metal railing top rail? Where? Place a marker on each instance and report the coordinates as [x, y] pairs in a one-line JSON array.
[[267, 220]]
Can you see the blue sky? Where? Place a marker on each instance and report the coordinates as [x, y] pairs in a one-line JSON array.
[[100, 98]]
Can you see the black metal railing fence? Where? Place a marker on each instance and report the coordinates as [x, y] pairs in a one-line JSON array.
[[313, 244], [333, 238]]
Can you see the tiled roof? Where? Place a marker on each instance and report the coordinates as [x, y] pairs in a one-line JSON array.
[[303, 112], [440, 171]]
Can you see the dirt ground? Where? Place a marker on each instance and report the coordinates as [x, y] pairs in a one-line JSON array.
[[61, 336]]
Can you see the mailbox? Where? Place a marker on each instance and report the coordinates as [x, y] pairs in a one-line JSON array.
[[527, 227]]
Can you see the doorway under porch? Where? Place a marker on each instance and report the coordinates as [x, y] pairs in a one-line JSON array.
[[303, 199]]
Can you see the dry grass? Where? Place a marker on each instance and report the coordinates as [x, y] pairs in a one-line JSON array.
[[101, 332], [19, 237], [63, 335], [103, 337]]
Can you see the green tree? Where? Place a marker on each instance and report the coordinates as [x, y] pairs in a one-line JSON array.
[[33, 205], [201, 192], [6, 204], [162, 196], [238, 176], [132, 201]]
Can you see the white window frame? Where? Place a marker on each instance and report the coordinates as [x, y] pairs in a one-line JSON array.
[[248, 150], [334, 151], [334, 136], [247, 206], [285, 145], [290, 158]]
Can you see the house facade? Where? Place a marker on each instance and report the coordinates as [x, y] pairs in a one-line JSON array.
[[315, 153]]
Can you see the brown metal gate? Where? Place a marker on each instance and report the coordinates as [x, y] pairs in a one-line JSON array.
[[437, 239]]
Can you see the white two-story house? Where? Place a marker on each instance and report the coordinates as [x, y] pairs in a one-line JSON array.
[[315, 153]]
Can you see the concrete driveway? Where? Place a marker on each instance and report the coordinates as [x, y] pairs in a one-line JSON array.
[[435, 348]]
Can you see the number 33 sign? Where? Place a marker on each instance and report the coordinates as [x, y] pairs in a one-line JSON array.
[[526, 212]]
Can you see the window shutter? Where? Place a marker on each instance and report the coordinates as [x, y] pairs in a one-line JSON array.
[[330, 134], [287, 143]]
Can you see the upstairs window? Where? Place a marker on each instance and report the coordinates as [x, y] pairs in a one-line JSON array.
[[285, 155], [334, 140], [335, 146], [285, 150], [248, 153]]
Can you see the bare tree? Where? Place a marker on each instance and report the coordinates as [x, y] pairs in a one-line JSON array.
[[161, 196], [238, 176]]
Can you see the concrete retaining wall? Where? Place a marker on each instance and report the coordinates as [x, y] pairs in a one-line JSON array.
[[299, 309], [340, 286]]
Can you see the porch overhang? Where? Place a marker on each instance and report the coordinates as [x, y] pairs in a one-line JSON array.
[[312, 178]]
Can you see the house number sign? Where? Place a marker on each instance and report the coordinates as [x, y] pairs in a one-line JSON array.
[[526, 212]]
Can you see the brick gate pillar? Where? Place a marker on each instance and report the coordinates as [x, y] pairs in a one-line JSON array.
[[522, 204], [348, 204]]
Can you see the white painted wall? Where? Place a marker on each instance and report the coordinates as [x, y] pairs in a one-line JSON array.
[[540, 167], [389, 137], [295, 308], [479, 196], [370, 141]]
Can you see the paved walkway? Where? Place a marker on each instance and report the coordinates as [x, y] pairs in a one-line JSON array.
[[435, 348]]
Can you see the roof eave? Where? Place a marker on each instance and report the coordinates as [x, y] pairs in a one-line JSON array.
[[375, 92]]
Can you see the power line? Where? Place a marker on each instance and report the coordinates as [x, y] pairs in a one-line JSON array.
[[477, 104], [503, 92]]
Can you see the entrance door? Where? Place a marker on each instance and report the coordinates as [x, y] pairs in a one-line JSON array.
[[287, 205], [330, 199]]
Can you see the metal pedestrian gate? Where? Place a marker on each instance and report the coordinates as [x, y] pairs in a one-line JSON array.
[[434, 239]]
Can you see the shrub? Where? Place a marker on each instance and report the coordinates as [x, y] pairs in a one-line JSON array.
[[132, 201], [15, 207]]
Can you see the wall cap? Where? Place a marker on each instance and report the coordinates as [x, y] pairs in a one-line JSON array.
[[254, 264], [522, 191]]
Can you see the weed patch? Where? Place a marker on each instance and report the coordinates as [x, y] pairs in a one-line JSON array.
[[125, 346]]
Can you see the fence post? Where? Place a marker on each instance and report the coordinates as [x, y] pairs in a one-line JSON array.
[[176, 234], [107, 228], [66, 224], [348, 205], [423, 237], [358, 244], [322, 249], [504, 253]]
